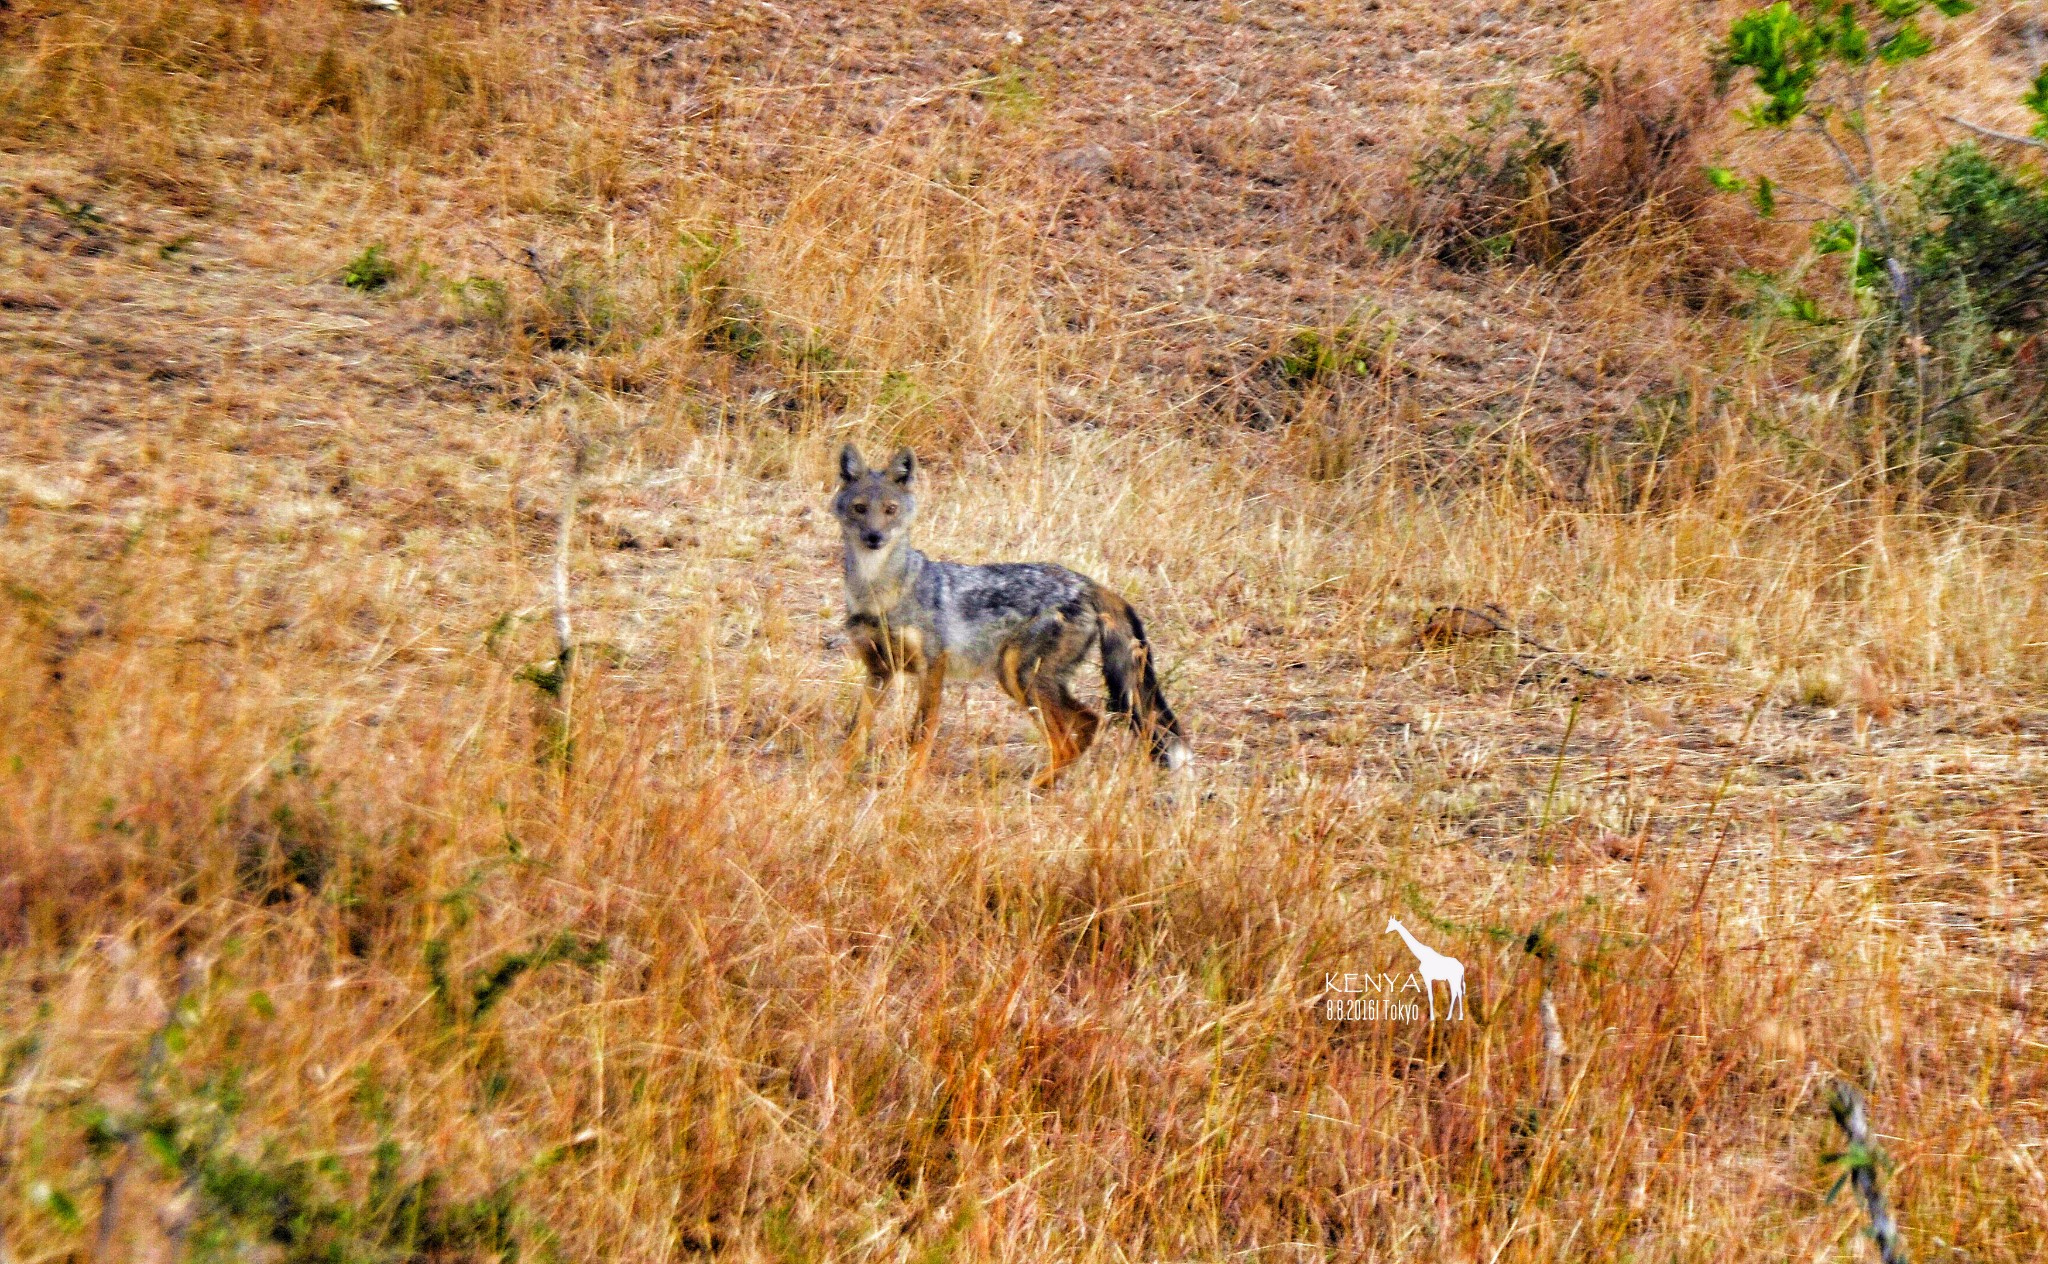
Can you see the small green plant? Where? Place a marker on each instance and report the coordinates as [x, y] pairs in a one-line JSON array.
[[1008, 94], [481, 300], [810, 352], [466, 1000], [1817, 687], [1312, 356], [1388, 241], [82, 216], [710, 286], [369, 271], [1775, 296], [470, 999], [734, 325], [902, 395]]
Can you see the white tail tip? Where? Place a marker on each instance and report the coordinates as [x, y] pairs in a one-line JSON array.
[[1179, 757]]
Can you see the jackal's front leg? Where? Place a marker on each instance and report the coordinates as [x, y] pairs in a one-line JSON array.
[[931, 692], [860, 734]]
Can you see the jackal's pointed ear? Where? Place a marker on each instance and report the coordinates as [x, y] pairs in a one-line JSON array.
[[850, 465], [902, 468]]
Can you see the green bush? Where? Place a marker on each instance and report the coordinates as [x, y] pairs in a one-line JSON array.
[[1981, 246], [369, 271], [1946, 266], [1976, 252]]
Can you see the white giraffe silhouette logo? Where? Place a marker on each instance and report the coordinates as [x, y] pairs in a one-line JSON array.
[[1434, 965]]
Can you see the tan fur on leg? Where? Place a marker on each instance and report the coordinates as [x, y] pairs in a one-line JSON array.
[[1069, 730], [925, 728]]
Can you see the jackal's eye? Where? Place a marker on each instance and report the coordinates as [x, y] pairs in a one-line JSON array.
[[889, 511], [860, 507]]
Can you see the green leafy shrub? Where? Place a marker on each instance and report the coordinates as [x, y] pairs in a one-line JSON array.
[[311, 1209], [369, 271], [83, 217], [1823, 65], [1976, 249], [481, 300], [1945, 267], [1980, 244], [1008, 93]]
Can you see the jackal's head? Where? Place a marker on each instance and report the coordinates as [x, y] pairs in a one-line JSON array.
[[874, 507]]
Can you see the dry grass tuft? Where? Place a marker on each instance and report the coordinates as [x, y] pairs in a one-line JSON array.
[[1606, 148]]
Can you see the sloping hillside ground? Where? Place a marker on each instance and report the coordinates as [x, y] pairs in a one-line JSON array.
[[316, 944]]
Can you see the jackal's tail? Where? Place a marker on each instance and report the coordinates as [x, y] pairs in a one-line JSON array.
[[1132, 686]]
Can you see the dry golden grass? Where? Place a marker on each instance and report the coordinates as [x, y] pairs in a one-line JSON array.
[[281, 809]]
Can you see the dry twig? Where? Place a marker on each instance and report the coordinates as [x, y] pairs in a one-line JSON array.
[[565, 644], [1554, 1051]]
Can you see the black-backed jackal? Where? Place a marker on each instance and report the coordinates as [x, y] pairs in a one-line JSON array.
[[1027, 626]]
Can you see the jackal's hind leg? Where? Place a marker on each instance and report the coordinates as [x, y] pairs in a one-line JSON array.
[[1069, 729]]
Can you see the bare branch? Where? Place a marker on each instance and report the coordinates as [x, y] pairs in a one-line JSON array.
[[1887, 244], [1863, 181], [1795, 195], [1992, 133], [529, 259], [560, 679]]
